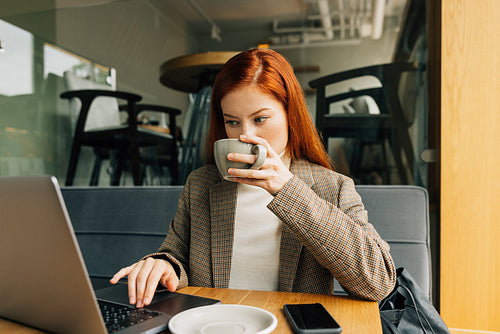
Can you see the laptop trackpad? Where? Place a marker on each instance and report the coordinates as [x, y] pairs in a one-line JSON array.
[[166, 302]]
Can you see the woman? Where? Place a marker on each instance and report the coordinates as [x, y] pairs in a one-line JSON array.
[[292, 225]]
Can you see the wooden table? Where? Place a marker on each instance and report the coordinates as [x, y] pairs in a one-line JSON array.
[[189, 73], [156, 128], [353, 314]]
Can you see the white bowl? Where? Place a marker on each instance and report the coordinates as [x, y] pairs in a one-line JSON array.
[[223, 319]]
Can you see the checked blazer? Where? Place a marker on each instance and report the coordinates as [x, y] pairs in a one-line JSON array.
[[325, 234]]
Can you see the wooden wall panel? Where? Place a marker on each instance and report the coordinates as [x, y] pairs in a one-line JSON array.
[[470, 164]]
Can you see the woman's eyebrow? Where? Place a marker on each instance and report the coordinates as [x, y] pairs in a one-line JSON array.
[[252, 114]]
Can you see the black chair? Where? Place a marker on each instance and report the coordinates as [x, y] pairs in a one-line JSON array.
[[100, 127], [390, 125]]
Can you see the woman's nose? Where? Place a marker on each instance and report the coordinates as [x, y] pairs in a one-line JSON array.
[[248, 130]]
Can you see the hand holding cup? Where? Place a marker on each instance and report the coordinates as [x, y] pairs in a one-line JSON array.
[[272, 175], [223, 147]]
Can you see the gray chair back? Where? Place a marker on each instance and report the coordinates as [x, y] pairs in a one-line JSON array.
[[116, 226], [401, 216]]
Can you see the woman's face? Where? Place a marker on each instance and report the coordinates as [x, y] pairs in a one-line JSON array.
[[248, 110]]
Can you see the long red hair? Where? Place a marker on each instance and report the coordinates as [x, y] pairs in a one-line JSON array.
[[272, 73]]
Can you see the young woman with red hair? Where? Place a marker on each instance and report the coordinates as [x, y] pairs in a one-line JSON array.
[[293, 225]]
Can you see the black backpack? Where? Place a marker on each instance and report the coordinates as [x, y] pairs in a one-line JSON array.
[[407, 309]]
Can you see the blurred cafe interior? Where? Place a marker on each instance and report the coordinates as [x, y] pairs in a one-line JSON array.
[[389, 84]]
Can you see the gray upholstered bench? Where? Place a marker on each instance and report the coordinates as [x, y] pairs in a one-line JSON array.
[[115, 226]]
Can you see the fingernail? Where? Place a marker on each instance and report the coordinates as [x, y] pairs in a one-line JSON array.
[[132, 300], [146, 301], [243, 137], [230, 156]]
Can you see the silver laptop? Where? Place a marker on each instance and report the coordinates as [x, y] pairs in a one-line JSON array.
[[43, 279]]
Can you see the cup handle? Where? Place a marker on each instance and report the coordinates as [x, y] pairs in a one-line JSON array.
[[261, 152]]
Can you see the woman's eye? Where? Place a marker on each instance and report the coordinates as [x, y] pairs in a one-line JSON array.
[[231, 123], [260, 119]]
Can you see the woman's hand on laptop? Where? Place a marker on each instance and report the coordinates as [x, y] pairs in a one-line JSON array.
[[143, 279]]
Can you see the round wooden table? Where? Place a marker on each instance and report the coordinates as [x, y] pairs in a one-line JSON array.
[[192, 72]]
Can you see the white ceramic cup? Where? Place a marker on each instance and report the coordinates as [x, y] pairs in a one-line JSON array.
[[223, 147]]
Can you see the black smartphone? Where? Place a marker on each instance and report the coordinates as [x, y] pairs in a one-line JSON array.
[[310, 318]]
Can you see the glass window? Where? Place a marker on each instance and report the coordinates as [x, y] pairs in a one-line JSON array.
[[57, 61], [36, 127], [16, 60]]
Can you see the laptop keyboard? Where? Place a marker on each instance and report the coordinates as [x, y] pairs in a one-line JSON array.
[[118, 316]]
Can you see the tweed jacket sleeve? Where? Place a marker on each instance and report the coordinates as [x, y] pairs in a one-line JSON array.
[[324, 211]]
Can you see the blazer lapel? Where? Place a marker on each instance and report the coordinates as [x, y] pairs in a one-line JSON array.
[[222, 210], [289, 258], [291, 247]]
